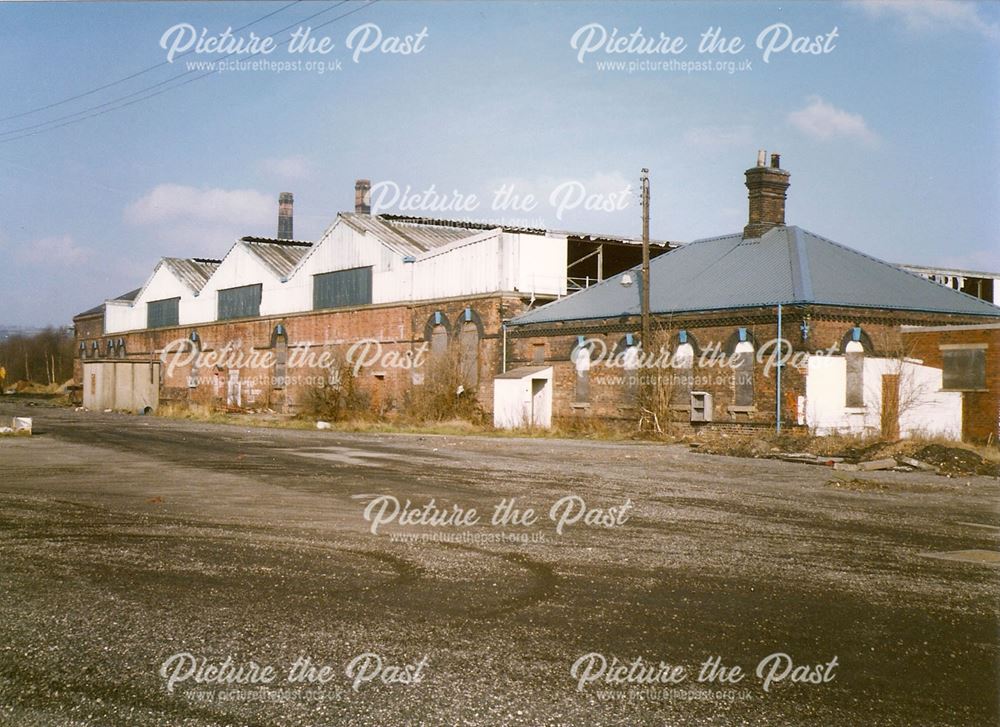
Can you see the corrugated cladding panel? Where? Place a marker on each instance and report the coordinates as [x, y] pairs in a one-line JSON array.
[[242, 302], [342, 288], [193, 273], [281, 258], [163, 313]]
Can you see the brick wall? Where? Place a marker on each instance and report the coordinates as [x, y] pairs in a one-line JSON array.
[[980, 409], [712, 332], [314, 340]]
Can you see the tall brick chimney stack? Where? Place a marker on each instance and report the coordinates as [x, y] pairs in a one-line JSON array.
[[768, 187], [363, 197], [285, 216]]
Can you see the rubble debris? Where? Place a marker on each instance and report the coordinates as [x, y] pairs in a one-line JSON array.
[[877, 464], [956, 461], [916, 464], [858, 484]]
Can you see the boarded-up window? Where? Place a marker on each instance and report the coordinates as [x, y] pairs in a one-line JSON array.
[[855, 358], [280, 362], [439, 340], [581, 363], [342, 288], [964, 369], [682, 375], [242, 302], [161, 313], [630, 363], [470, 355], [743, 374]]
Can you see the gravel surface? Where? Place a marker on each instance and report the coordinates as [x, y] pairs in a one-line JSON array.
[[127, 540]]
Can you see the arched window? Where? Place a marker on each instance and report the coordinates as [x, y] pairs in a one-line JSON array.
[[470, 354], [436, 334], [854, 354], [580, 357], [195, 342], [683, 369], [439, 341], [628, 350], [742, 364], [279, 342]]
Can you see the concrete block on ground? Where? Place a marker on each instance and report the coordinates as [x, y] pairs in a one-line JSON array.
[[877, 464]]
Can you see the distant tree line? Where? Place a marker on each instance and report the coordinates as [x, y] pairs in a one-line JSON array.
[[45, 357]]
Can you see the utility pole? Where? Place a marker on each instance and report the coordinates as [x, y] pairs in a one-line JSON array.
[[646, 342]]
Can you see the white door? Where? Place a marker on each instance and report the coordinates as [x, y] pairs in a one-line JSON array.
[[541, 403]]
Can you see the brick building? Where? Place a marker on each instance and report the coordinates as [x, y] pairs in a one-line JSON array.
[[276, 318], [969, 357], [718, 306]]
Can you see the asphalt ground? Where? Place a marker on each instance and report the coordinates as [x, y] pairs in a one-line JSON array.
[[157, 572]]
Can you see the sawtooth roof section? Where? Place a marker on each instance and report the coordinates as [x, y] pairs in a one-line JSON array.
[[281, 256], [128, 297], [193, 272], [786, 265], [406, 236]]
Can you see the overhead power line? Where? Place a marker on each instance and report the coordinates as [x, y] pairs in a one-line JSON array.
[[129, 77], [150, 92]]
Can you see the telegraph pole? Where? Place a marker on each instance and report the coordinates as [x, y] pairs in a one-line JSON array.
[[646, 342]]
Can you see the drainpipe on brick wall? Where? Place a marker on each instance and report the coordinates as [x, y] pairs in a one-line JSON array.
[[503, 355], [409, 261], [777, 403]]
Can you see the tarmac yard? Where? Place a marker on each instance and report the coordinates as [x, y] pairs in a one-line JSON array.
[[166, 572]]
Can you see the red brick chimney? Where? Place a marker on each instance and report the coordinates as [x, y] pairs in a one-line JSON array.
[[767, 187], [285, 216], [362, 196]]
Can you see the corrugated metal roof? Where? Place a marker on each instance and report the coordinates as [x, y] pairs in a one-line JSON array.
[[406, 236], [280, 255], [129, 296], [487, 225], [462, 224], [787, 265], [193, 272]]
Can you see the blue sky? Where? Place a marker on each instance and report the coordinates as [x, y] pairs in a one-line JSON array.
[[891, 136]]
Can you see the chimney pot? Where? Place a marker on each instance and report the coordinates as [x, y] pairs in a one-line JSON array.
[[285, 201], [362, 196], [761, 158], [767, 189]]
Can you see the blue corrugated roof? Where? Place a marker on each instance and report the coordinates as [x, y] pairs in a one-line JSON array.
[[786, 265]]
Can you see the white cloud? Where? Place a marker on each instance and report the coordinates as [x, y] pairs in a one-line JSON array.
[[58, 250], [175, 202], [290, 168], [717, 138], [824, 121], [202, 221], [934, 15]]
